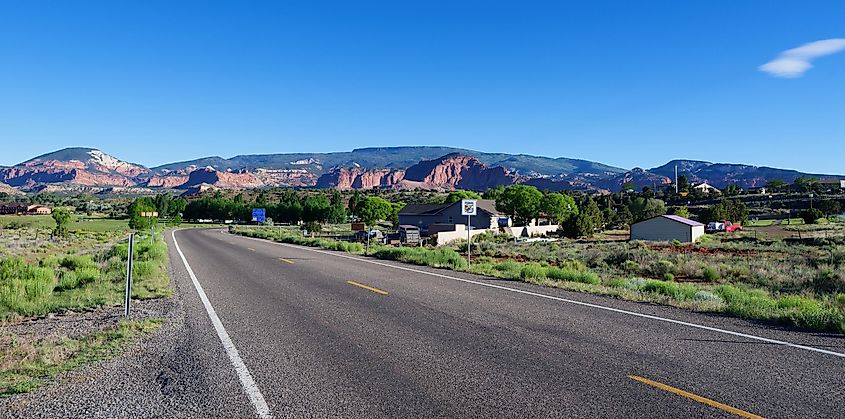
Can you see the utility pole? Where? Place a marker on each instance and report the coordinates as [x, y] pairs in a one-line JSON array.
[[676, 179]]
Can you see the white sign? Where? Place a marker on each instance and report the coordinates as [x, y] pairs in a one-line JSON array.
[[469, 206]]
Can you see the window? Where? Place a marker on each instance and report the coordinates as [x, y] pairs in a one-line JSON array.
[[450, 220]]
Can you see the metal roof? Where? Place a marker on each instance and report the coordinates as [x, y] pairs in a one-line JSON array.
[[486, 205], [683, 220]]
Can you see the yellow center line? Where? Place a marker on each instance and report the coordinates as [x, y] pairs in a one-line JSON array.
[[286, 260], [375, 290], [703, 400]]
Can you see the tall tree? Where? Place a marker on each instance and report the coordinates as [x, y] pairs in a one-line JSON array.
[[337, 211], [521, 202], [62, 217], [374, 209], [558, 207]]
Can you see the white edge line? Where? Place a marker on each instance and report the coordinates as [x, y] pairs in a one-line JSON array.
[[249, 386], [565, 300]]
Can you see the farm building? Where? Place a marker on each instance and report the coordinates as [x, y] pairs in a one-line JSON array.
[[446, 216], [667, 228]]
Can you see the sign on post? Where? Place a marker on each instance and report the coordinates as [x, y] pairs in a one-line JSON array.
[[469, 207], [258, 215]]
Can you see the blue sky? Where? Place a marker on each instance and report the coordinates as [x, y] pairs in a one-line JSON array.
[[624, 83]]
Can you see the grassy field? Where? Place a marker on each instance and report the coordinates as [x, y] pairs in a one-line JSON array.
[[797, 284], [40, 274], [26, 365]]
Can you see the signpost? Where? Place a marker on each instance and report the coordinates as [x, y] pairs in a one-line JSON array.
[[129, 262], [258, 215], [469, 207]]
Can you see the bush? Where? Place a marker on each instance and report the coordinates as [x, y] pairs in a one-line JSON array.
[[828, 280], [670, 289], [707, 296], [811, 216], [532, 271], [631, 266], [22, 286], [668, 277], [74, 263], [663, 267], [509, 267], [567, 274], [711, 274]]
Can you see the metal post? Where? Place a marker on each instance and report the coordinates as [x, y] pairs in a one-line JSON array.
[[469, 243], [153, 235], [367, 250], [129, 263]]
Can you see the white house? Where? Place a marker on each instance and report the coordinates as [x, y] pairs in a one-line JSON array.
[[705, 187], [667, 228]]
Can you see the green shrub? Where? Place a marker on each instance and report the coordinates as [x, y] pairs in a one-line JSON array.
[[617, 283], [840, 301], [566, 274], [532, 271], [663, 267], [707, 296], [668, 276], [67, 280], [631, 266], [77, 262], [670, 289], [87, 275], [143, 269], [23, 286], [711, 274]]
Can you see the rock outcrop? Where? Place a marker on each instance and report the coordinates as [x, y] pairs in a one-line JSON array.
[[455, 171], [358, 178], [227, 180]]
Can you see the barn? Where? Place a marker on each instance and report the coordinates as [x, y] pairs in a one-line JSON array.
[[667, 228]]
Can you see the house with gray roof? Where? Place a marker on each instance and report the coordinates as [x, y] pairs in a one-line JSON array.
[[444, 217]]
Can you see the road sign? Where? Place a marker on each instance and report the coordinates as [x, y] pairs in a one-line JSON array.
[[258, 215], [469, 206]]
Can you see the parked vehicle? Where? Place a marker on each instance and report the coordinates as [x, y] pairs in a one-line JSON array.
[[409, 234], [723, 227]]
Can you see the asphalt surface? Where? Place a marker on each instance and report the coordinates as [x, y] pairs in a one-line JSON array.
[[320, 338]]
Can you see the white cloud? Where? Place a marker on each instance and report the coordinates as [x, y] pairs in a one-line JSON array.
[[794, 62]]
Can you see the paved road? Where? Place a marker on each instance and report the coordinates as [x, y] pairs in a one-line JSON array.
[[310, 333]]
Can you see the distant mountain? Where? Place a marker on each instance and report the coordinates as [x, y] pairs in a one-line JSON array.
[[90, 170], [721, 175], [78, 166], [393, 158]]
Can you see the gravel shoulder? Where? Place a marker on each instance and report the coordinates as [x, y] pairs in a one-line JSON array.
[[180, 370]]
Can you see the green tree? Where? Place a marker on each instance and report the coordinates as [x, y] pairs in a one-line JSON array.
[[139, 206], [592, 211], [625, 216], [521, 202], [493, 193], [732, 210], [830, 207], [355, 202], [683, 183], [812, 215], [337, 211], [629, 186], [315, 208], [395, 207], [374, 209], [558, 207], [645, 208], [62, 217], [581, 225], [805, 184], [732, 190], [682, 211], [456, 196]]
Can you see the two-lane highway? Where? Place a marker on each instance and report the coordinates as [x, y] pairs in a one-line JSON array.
[[328, 334]]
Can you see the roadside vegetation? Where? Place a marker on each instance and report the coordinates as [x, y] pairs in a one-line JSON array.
[[27, 364], [798, 284], [82, 269]]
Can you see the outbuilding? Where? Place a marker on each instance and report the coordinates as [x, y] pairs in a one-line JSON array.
[[667, 228]]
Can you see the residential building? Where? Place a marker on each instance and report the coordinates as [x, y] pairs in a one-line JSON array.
[[667, 228], [13, 209], [449, 215]]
